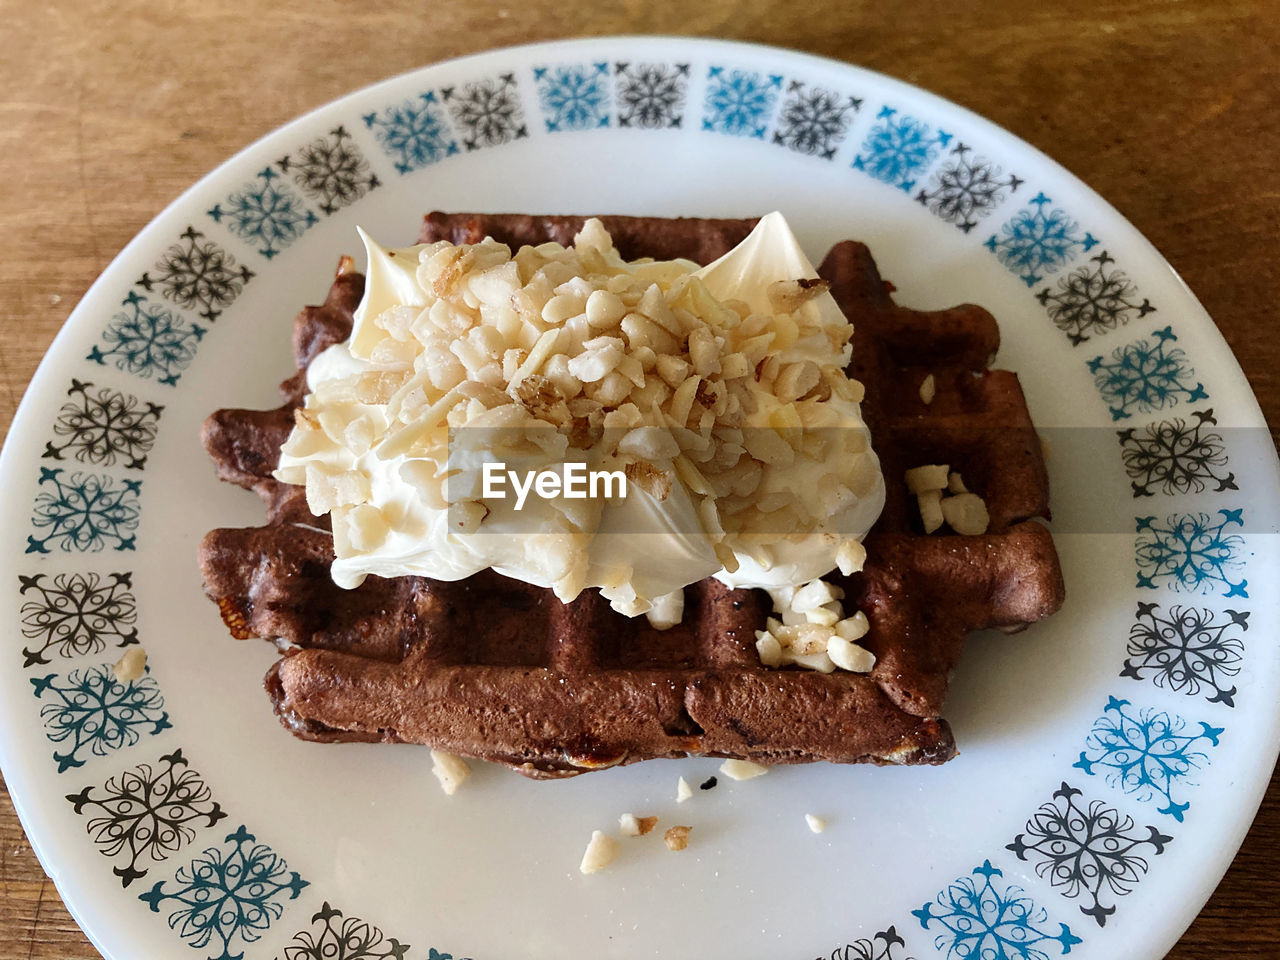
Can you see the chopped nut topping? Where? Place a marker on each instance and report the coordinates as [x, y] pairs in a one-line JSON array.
[[667, 610], [600, 852], [930, 502], [966, 513], [566, 345], [131, 666], [769, 648], [928, 389], [676, 838], [931, 476], [305, 420], [742, 769], [450, 770], [542, 399], [851, 556], [655, 482], [814, 632], [847, 655], [789, 296]]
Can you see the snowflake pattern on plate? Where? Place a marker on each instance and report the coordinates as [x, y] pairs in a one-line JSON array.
[[899, 148], [1187, 650], [266, 212], [103, 428], [91, 710], [1191, 552], [1037, 240], [414, 133], [981, 919], [148, 340], [650, 95], [740, 103], [85, 512], [1091, 852], [573, 97], [228, 895], [1147, 753], [197, 274], [883, 946], [966, 188], [814, 121], [330, 170], [1176, 457], [147, 813], [76, 614], [333, 936], [1147, 375], [488, 111], [1091, 300]]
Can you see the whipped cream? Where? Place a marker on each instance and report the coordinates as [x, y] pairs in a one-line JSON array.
[[720, 391]]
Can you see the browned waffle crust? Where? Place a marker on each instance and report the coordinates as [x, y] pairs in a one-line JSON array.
[[494, 668]]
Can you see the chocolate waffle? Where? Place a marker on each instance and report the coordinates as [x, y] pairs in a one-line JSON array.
[[494, 668]]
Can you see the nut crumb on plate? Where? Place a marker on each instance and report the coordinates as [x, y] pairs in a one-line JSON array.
[[629, 825], [131, 666], [683, 791], [600, 852], [676, 838], [816, 824], [742, 769], [450, 770]]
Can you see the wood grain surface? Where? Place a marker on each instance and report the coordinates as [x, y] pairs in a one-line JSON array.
[[1170, 110]]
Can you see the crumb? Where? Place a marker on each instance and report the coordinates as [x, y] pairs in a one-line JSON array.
[[629, 825], [966, 513], [600, 852], [450, 770], [930, 476], [131, 666], [928, 389], [683, 792], [742, 769], [676, 838], [816, 824], [931, 515], [708, 784]]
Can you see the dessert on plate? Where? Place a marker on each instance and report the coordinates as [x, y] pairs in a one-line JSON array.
[[824, 494]]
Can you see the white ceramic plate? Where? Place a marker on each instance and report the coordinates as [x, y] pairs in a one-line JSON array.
[[1111, 759]]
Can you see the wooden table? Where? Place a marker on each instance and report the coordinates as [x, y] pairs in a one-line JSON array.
[[1170, 110]]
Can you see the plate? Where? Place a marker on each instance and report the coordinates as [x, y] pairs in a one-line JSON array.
[[1111, 758]]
